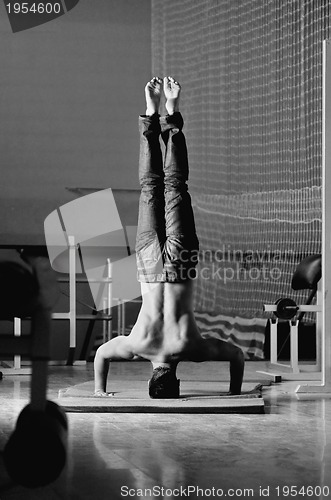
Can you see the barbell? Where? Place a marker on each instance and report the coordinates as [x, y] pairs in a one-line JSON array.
[[286, 308]]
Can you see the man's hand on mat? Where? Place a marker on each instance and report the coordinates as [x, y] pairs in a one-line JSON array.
[[102, 394]]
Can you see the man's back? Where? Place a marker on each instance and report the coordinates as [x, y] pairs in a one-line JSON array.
[[165, 329]]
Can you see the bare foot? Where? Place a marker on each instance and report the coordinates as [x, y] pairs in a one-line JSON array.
[[171, 91], [153, 95]]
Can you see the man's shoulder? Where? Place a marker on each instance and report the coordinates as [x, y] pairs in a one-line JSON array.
[[123, 347]]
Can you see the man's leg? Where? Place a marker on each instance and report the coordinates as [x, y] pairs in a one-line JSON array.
[[151, 229], [182, 243]]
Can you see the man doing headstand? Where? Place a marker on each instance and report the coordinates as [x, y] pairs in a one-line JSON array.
[[165, 332]]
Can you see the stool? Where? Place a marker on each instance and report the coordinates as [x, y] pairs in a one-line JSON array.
[[306, 276]]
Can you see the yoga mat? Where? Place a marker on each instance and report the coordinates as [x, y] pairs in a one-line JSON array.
[[132, 397]]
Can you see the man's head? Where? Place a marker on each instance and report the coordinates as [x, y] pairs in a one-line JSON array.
[[164, 383]]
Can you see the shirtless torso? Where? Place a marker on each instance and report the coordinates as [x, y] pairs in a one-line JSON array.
[[166, 333], [166, 330]]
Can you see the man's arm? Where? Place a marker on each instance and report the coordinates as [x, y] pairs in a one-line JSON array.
[[116, 349], [212, 349]]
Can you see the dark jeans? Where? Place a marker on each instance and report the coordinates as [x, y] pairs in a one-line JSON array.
[[167, 244]]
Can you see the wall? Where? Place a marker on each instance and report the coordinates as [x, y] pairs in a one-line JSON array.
[[70, 94]]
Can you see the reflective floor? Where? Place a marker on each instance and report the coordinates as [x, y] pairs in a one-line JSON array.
[[114, 456]]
